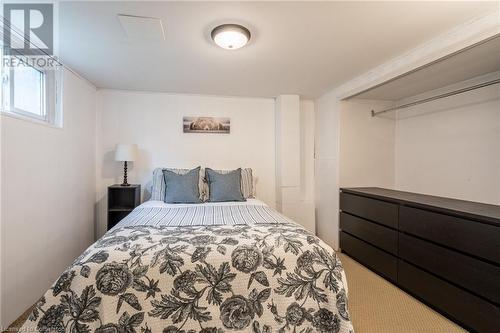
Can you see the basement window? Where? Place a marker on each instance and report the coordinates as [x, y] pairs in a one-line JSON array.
[[29, 92]]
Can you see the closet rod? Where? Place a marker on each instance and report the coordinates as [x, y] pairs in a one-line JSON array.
[[433, 98]]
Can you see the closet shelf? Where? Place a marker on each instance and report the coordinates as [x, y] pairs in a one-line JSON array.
[[471, 68]]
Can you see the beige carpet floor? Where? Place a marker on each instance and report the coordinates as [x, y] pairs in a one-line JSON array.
[[377, 306]]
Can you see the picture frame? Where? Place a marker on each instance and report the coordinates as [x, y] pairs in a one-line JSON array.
[[214, 125]]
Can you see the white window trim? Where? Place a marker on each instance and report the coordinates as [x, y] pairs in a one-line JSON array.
[[29, 119], [51, 103]]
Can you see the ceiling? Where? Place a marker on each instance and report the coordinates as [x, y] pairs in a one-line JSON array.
[[303, 48], [470, 63]]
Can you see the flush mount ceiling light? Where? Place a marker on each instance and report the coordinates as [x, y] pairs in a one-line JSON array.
[[231, 36]]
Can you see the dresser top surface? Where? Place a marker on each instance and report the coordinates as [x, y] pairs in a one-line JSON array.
[[485, 212]]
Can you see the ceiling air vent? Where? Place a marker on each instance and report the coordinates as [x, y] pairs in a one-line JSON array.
[[142, 27]]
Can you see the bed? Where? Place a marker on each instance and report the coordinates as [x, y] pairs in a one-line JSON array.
[[209, 267]]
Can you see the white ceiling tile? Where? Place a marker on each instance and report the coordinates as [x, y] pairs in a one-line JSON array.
[[141, 27]]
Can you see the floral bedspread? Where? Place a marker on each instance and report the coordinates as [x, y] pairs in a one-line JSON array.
[[209, 279]]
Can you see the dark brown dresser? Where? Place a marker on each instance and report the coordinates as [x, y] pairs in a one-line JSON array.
[[443, 251]]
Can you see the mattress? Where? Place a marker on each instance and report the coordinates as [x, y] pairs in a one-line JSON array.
[[211, 267]]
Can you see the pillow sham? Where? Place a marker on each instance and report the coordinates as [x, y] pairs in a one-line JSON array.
[[158, 186], [247, 188], [182, 188], [224, 186]]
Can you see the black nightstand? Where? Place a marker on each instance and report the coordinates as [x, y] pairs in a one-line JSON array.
[[121, 201]]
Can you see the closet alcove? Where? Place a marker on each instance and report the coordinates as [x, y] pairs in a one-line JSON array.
[[433, 130], [418, 154]]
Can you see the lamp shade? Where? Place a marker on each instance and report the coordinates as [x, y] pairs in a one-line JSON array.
[[125, 152]]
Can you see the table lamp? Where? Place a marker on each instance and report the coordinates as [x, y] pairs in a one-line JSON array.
[[125, 153]]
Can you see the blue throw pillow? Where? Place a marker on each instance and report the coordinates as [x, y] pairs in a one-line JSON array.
[[182, 188], [224, 187]]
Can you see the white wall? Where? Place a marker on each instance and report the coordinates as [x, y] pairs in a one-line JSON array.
[[366, 145], [451, 147], [327, 168], [154, 122], [287, 145], [307, 192], [295, 159], [48, 196]]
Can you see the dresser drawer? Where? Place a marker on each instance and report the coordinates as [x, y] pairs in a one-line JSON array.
[[464, 307], [468, 236], [375, 210], [375, 234], [378, 260], [472, 274]]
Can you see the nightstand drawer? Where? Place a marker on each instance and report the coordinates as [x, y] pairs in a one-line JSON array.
[[466, 308], [372, 209], [470, 273], [377, 260], [375, 234], [467, 236]]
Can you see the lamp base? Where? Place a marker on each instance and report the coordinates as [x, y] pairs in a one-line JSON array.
[[125, 175]]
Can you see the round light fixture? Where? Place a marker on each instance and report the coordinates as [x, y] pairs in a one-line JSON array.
[[231, 36]]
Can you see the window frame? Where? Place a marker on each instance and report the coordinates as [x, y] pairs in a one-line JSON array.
[[51, 90]]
